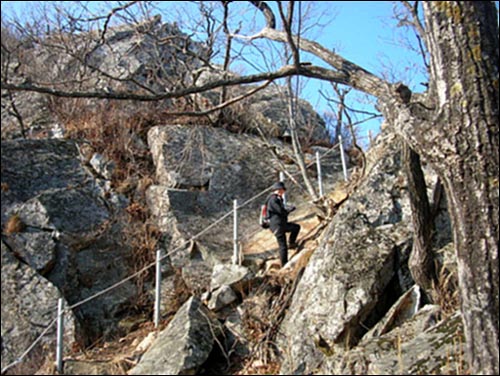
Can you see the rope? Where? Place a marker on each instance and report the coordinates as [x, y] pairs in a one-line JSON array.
[[31, 347]]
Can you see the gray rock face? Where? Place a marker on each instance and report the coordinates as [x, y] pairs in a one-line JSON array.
[[72, 211], [37, 249], [419, 346], [190, 157], [140, 52], [184, 345], [31, 167], [66, 233], [351, 274], [29, 306], [201, 171]]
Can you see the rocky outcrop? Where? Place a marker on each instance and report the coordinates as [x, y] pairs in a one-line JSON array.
[[135, 55], [200, 171], [65, 229], [270, 110], [354, 277], [139, 52], [184, 345], [266, 110], [343, 317], [29, 308], [69, 229]]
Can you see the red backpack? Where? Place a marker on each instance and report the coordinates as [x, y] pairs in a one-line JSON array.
[[264, 215], [263, 219]]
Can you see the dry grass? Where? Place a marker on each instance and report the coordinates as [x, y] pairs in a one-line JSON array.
[[448, 296], [118, 131], [14, 225], [259, 368]]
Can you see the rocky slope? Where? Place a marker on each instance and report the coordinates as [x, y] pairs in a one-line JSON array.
[[323, 318], [345, 303]]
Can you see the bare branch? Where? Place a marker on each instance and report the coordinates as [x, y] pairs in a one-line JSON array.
[[227, 56], [222, 105], [287, 22], [288, 70], [111, 14], [371, 114], [358, 77], [420, 30], [268, 13]]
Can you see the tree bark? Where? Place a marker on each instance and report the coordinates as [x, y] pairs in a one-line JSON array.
[[459, 138], [422, 260]]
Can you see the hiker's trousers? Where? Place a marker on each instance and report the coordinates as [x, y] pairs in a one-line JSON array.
[[280, 234]]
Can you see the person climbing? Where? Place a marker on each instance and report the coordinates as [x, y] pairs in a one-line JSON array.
[[278, 221]]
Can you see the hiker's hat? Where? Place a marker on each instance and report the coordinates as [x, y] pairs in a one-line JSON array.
[[279, 185]]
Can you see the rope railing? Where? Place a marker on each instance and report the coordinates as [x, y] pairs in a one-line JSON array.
[[145, 268], [31, 347]]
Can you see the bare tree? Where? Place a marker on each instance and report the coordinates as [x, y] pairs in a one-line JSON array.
[[453, 127]]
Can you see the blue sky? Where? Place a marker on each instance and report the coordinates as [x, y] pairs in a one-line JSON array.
[[361, 31], [364, 32]]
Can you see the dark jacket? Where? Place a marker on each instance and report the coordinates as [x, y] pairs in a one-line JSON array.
[[278, 215]]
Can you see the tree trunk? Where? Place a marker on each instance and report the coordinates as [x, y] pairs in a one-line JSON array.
[[422, 260], [459, 138]]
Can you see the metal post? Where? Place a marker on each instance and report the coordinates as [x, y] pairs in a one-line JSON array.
[[60, 333], [282, 178], [235, 232], [342, 157], [320, 179], [158, 289]]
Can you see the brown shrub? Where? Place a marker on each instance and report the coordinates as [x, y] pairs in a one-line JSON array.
[[14, 224]]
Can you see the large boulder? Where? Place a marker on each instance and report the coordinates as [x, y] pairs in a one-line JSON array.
[[354, 276], [67, 229], [29, 310], [184, 345]]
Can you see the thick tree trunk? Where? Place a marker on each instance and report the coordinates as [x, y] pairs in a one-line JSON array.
[[459, 137]]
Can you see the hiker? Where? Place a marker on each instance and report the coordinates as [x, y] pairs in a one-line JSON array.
[[278, 221]]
